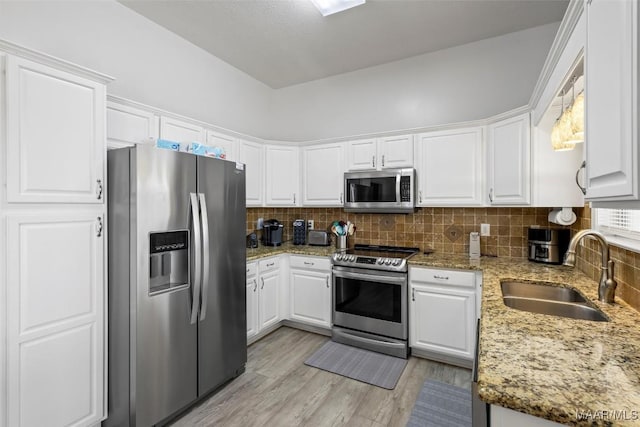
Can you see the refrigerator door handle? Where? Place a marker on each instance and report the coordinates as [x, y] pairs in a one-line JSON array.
[[205, 255], [195, 283]]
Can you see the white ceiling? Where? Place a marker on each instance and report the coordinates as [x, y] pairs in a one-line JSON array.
[[286, 42]]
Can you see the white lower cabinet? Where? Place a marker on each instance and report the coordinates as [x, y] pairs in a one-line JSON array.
[[310, 290], [252, 299], [263, 295], [442, 313], [55, 318]]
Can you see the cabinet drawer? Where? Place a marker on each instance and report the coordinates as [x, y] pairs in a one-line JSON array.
[[268, 265], [252, 269], [460, 278], [310, 263]]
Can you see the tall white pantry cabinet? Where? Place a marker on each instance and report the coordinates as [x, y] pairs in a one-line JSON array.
[[53, 284]]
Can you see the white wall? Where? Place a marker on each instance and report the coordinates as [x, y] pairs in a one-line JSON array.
[[150, 64], [469, 82], [153, 66]]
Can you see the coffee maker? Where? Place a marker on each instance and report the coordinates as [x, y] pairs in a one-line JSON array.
[[272, 233]]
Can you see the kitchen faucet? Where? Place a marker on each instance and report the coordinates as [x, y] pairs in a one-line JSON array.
[[607, 286]]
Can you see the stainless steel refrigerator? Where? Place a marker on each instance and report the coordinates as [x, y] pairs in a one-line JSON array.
[[177, 311]]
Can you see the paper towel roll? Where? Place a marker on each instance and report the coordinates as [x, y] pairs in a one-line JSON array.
[[562, 216]]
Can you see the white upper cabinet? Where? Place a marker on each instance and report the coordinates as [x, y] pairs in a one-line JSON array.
[[127, 125], [362, 154], [611, 97], [226, 142], [282, 177], [395, 151], [508, 147], [252, 155], [380, 153], [55, 128], [180, 131], [323, 175], [449, 168]]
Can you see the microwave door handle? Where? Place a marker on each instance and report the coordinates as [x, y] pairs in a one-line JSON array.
[[398, 195], [197, 255], [205, 255]]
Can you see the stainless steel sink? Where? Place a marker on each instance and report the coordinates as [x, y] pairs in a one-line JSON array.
[[520, 289], [549, 299]]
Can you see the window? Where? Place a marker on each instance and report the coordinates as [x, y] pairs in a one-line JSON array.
[[621, 226]]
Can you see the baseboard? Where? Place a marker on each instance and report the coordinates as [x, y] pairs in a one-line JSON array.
[[450, 360]]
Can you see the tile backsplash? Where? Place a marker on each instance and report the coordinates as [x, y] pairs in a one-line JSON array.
[[445, 230]]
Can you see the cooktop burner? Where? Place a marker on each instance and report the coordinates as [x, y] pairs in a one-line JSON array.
[[390, 258]]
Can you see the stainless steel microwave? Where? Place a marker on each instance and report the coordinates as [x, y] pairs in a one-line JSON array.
[[387, 191]]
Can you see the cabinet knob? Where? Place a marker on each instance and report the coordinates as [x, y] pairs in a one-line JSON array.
[[99, 189], [99, 227], [582, 166]]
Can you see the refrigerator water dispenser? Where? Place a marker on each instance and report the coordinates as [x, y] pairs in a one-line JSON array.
[[168, 261]]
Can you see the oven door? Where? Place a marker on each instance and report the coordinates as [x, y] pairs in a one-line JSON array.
[[370, 301]]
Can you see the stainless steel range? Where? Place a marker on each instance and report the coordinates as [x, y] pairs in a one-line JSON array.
[[370, 298]]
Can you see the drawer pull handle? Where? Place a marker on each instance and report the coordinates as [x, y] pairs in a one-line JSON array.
[[262, 280], [383, 160], [435, 276], [255, 285], [373, 161], [271, 264], [308, 263], [582, 166], [413, 294], [327, 282]]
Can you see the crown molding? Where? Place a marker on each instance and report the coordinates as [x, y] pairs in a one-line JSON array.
[[569, 21], [43, 58]]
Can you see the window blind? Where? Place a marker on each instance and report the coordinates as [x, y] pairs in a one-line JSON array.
[[619, 222]]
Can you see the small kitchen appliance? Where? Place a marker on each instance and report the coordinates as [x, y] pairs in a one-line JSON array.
[[299, 232], [319, 238], [272, 232], [548, 244], [370, 287], [252, 240]]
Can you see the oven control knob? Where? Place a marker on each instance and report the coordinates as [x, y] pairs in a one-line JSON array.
[[396, 262], [380, 261], [339, 257], [352, 258], [387, 261]]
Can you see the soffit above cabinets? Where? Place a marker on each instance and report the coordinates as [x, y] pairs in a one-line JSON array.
[[287, 42]]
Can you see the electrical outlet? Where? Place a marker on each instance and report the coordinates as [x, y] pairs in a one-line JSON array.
[[310, 224], [485, 229]]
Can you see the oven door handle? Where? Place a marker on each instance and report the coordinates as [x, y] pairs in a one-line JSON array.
[[371, 278]]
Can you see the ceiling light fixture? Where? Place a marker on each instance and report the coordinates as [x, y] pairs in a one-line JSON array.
[[329, 7]]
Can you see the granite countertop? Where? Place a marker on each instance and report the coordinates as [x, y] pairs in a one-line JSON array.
[[289, 248], [551, 367]]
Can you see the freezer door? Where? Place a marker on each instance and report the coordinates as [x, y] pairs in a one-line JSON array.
[[222, 331], [164, 377]]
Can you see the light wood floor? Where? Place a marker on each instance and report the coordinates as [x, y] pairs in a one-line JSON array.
[[278, 389]]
